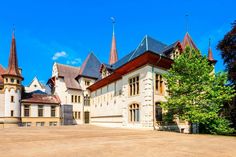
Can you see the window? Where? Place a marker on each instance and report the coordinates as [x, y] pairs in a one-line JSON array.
[[35, 85], [18, 81], [27, 124], [12, 113], [39, 123], [75, 115], [12, 80], [72, 98], [40, 110], [134, 113], [78, 115], [158, 112], [87, 83], [134, 86], [12, 98], [26, 110], [6, 80], [52, 123], [159, 84], [53, 111], [86, 100], [78, 99], [75, 98]]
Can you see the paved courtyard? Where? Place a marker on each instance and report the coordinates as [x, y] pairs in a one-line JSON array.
[[87, 140]]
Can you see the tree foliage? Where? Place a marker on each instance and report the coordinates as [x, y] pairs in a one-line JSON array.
[[196, 94], [227, 46]]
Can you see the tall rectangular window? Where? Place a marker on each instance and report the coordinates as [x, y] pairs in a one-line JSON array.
[[12, 113], [40, 110], [53, 111], [26, 110], [78, 99], [86, 100], [159, 84], [134, 86], [72, 98], [78, 115], [12, 98], [158, 112], [75, 98]]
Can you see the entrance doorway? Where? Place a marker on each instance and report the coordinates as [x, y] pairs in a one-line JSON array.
[[86, 117]]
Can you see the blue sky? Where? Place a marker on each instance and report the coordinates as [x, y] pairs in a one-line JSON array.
[[73, 28]]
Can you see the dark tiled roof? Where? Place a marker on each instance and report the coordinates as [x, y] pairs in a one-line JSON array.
[[147, 44], [69, 74], [90, 67], [40, 98]]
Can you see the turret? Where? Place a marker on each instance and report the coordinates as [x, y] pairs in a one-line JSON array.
[[12, 83]]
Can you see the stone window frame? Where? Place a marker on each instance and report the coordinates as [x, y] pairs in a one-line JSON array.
[[53, 109], [159, 84], [28, 109], [40, 107], [134, 85], [134, 113]]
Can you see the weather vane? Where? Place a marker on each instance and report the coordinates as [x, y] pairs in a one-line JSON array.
[[113, 24], [186, 18]]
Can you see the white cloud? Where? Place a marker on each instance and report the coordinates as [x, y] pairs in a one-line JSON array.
[[74, 61], [59, 55]]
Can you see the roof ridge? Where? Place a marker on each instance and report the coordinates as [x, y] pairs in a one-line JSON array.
[[137, 48], [68, 65]]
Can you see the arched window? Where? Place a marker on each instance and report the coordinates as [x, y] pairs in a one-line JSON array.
[[134, 114]]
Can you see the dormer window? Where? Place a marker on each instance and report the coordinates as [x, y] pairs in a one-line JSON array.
[[87, 83]]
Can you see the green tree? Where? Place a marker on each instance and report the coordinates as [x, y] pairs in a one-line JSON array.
[[227, 46], [197, 94]]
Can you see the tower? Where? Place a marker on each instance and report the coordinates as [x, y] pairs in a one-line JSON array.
[[12, 87], [113, 52], [210, 55]]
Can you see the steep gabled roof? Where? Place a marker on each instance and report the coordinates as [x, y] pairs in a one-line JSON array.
[[13, 69], [37, 81], [147, 44], [90, 67], [149, 51], [69, 74], [187, 41]]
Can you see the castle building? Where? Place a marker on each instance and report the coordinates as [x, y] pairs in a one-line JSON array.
[[19, 108], [126, 92], [70, 85]]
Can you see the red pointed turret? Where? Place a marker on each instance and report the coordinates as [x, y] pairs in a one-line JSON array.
[[113, 53], [210, 54], [13, 69], [188, 42]]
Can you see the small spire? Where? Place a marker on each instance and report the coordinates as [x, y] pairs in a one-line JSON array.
[[13, 68], [113, 52], [210, 54]]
